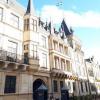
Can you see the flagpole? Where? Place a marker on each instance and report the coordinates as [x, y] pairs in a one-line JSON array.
[[59, 4]]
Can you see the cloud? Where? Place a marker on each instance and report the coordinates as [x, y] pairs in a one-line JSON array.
[[87, 19]]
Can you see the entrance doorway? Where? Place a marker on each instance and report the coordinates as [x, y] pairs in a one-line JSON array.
[[40, 91]]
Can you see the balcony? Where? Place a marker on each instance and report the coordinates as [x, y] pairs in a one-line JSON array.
[[8, 56], [58, 73], [12, 61]]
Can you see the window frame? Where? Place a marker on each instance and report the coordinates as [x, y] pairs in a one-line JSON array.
[[34, 22], [35, 53], [26, 24], [14, 20], [61, 84], [10, 84], [43, 41], [82, 89], [44, 60], [55, 85]]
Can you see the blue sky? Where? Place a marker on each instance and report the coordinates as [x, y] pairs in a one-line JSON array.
[[82, 15]]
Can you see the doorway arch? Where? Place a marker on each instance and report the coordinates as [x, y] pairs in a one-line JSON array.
[[39, 86]]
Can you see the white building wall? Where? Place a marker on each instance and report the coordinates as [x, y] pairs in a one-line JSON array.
[[8, 32]]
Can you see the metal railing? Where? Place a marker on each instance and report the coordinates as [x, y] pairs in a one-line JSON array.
[[12, 57]]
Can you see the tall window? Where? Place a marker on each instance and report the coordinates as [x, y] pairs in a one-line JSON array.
[[55, 86], [65, 50], [61, 84], [56, 62], [26, 58], [74, 86], [82, 86], [93, 88], [14, 20], [44, 41], [62, 64], [35, 54], [44, 60], [86, 86], [12, 51], [26, 25], [68, 66], [10, 84], [34, 25], [12, 47], [60, 48], [55, 45], [1, 13]]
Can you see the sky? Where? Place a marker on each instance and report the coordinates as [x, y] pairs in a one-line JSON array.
[[82, 15]]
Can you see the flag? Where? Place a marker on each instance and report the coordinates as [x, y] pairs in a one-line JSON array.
[[64, 28]]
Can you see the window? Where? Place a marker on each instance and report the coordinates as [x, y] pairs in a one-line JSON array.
[[26, 58], [86, 86], [68, 66], [66, 50], [61, 84], [55, 85], [44, 41], [12, 51], [34, 25], [61, 48], [44, 60], [62, 64], [1, 14], [74, 86], [10, 84], [93, 87], [56, 62], [14, 20], [35, 54], [12, 47], [81, 86], [26, 25], [55, 45]]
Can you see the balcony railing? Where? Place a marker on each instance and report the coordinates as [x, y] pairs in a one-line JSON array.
[[12, 57]]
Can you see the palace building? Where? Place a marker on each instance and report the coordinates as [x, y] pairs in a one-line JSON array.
[[39, 63]]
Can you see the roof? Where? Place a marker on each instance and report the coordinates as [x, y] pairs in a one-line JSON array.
[[30, 8]]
